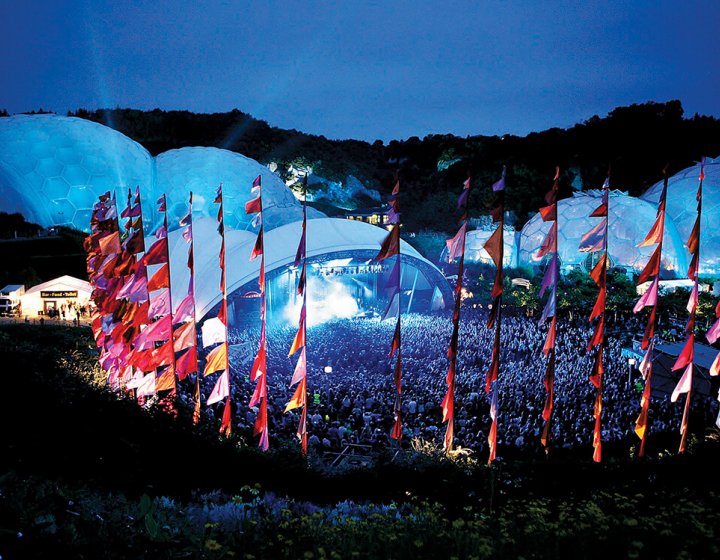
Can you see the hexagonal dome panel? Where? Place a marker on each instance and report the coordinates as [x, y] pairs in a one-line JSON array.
[[682, 208], [630, 220], [48, 158]]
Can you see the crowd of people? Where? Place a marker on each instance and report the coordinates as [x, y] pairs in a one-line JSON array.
[[351, 390]]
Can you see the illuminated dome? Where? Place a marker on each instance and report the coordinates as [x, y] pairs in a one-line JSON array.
[[474, 251], [682, 208], [52, 169], [630, 221], [333, 245], [201, 170]]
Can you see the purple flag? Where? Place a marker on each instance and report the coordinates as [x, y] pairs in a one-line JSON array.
[[594, 240], [499, 185]]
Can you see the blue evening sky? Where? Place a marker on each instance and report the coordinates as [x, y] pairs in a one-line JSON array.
[[366, 70]]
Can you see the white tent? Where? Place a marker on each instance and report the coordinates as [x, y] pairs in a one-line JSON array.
[[54, 294]]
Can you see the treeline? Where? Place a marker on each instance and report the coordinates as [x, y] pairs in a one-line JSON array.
[[634, 143]]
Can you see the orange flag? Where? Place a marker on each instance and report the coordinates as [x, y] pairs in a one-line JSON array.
[[184, 336], [652, 268], [216, 360], [656, 232], [298, 398], [161, 279]]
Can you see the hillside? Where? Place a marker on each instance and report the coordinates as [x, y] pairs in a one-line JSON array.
[[635, 142]]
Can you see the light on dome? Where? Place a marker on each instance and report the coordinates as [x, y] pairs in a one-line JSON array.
[[327, 369]]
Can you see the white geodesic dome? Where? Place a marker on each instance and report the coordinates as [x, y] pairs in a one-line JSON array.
[[52, 169], [630, 219], [474, 251], [682, 208]]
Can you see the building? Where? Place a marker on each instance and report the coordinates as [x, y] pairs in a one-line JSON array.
[[61, 293], [10, 299]]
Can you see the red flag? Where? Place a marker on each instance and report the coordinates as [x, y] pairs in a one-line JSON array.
[[599, 307], [597, 432], [687, 355], [390, 245], [652, 268], [258, 247], [157, 254], [550, 340], [161, 279], [655, 234], [226, 425], [494, 246], [693, 243], [548, 244], [253, 206], [549, 213], [396, 339], [299, 341], [186, 363], [599, 335], [258, 367], [492, 374]]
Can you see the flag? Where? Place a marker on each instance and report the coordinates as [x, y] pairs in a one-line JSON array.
[[390, 245], [715, 367], [395, 345], [652, 268], [258, 367], [549, 213], [226, 424], [253, 206], [146, 387], [550, 307], [161, 279], [714, 332], [693, 243], [186, 363], [110, 244], [655, 234], [216, 360], [165, 381], [213, 331], [155, 332], [184, 336], [298, 398], [492, 437], [258, 247], [550, 340], [300, 368], [599, 307], [550, 276], [494, 246], [599, 335], [299, 341], [594, 240], [456, 245], [687, 355], [649, 297], [499, 185], [160, 304], [157, 254], [684, 384], [597, 432], [186, 309], [221, 389], [693, 300], [161, 203]]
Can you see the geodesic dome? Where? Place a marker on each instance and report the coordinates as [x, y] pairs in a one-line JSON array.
[[201, 170], [474, 251], [682, 208], [52, 169], [630, 220]]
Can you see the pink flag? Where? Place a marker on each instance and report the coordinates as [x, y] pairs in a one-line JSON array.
[[160, 304], [186, 309], [155, 332], [685, 383], [693, 301], [714, 333], [715, 368], [146, 387], [649, 297], [549, 310], [221, 389], [456, 244], [300, 368]]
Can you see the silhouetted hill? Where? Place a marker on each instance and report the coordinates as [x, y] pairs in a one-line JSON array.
[[635, 142]]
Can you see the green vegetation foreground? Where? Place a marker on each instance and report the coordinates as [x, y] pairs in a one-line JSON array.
[[84, 474]]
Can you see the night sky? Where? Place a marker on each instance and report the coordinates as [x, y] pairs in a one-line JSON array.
[[366, 70]]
